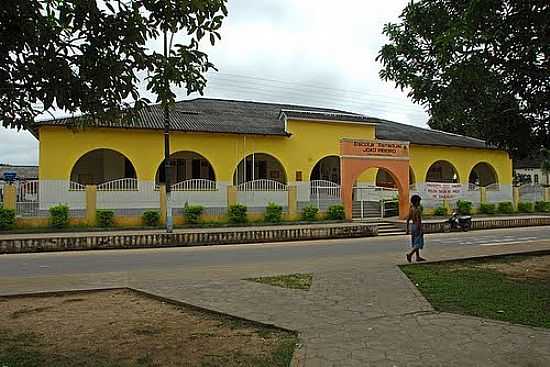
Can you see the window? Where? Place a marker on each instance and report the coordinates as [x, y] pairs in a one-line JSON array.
[[536, 179]]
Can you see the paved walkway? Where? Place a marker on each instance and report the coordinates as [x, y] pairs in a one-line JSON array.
[[357, 313]]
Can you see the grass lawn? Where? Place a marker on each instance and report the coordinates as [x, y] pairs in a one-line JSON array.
[[293, 281], [124, 329], [514, 289]]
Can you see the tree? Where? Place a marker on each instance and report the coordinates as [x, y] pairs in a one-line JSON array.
[[479, 67], [85, 55]]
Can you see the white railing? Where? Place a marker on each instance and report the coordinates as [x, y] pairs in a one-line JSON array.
[[530, 188], [262, 185], [122, 184], [493, 187], [412, 187], [75, 186], [197, 184], [27, 191], [324, 188], [473, 187]]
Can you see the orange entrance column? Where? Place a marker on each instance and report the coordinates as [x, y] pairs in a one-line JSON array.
[[359, 155]]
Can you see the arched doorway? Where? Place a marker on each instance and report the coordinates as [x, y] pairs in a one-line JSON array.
[[483, 174], [100, 166], [442, 171], [259, 166], [327, 169], [186, 165]]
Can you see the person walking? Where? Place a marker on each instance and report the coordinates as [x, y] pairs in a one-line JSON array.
[[416, 230]]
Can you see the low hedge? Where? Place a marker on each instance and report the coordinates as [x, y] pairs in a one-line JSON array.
[[7, 219], [487, 208], [237, 214], [59, 216], [464, 207], [151, 218], [336, 212], [542, 206], [506, 207], [104, 218], [526, 208], [192, 213], [273, 213], [310, 213], [441, 211]]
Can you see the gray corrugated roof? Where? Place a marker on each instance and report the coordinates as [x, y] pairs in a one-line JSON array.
[[244, 117]]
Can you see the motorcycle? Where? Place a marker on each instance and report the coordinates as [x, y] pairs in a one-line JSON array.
[[458, 222]]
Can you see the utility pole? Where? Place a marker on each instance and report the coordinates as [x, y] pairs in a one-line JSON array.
[[167, 163]]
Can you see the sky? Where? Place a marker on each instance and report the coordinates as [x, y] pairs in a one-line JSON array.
[[307, 52]]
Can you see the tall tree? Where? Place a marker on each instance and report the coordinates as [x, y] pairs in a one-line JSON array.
[[479, 67], [85, 55]]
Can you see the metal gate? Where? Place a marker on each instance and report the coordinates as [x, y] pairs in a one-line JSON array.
[[374, 202], [27, 203]]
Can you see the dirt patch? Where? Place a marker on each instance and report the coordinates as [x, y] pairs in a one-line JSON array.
[[127, 329], [529, 267]]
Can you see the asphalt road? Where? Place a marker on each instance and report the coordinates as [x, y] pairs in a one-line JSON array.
[[63, 263]]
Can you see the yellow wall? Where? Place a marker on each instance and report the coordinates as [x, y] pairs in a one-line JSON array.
[[60, 148], [423, 156]]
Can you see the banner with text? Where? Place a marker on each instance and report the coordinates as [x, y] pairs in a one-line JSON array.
[[444, 191]]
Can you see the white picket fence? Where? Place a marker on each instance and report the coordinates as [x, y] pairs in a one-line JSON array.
[[122, 184], [195, 185], [262, 185]]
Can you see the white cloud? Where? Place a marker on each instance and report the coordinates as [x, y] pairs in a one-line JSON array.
[[297, 43]]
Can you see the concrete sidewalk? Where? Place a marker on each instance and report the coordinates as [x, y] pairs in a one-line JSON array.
[[359, 312]]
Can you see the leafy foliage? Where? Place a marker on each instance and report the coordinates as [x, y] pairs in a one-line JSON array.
[[151, 218], [487, 208], [59, 216], [506, 207], [237, 213], [84, 56], [479, 67], [192, 213], [464, 207], [273, 213], [441, 211], [525, 207], [104, 218], [542, 206], [336, 212], [310, 213], [7, 218]]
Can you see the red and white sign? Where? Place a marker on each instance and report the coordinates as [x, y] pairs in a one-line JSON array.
[[444, 191]]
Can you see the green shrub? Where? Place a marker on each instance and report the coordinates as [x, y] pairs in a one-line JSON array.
[[59, 216], [441, 211], [506, 207], [104, 218], [7, 219], [464, 207], [487, 208], [542, 206], [273, 213], [192, 213], [310, 213], [151, 218], [237, 213], [336, 212], [525, 207]]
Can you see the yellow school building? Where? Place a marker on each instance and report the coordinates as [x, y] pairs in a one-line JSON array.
[[225, 151]]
